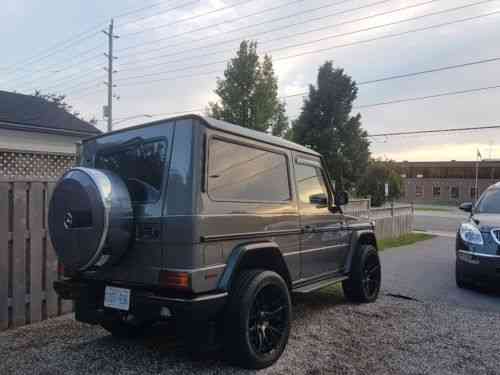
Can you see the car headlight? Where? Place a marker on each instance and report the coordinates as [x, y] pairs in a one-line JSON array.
[[470, 234]]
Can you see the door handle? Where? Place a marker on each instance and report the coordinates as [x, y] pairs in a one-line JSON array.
[[308, 229]]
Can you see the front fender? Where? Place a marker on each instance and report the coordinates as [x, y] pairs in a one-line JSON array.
[[363, 236]]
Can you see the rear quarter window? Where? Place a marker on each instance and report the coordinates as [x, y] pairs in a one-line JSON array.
[[242, 173]]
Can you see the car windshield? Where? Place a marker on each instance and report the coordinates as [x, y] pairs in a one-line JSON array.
[[489, 203]]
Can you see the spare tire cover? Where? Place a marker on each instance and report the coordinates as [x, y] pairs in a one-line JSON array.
[[90, 218]]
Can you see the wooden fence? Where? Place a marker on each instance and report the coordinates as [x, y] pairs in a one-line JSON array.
[[391, 221], [28, 264]]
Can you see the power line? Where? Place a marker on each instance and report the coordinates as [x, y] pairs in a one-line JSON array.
[[77, 63], [172, 36], [432, 131], [412, 99], [64, 44], [418, 98], [189, 18], [86, 52], [322, 50], [335, 36], [283, 28], [168, 10]]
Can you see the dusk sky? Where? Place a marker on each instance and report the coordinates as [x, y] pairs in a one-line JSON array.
[[161, 72]]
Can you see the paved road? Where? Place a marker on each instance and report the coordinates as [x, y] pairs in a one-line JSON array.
[[439, 221], [426, 271]]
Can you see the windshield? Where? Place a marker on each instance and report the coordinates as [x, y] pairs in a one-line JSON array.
[[489, 203]]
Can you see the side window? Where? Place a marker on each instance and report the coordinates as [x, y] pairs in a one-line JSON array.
[[241, 173], [310, 185]]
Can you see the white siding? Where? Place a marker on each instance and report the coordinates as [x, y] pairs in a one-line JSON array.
[[38, 142]]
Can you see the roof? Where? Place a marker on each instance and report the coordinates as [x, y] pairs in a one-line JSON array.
[[31, 113], [256, 135], [233, 129]]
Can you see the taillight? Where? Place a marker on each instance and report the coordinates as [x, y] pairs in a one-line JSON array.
[[176, 280]]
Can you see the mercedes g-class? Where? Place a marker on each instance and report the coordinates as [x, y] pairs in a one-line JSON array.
[[207, 224]]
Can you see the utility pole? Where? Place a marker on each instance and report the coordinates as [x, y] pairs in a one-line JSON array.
[[108, 111]]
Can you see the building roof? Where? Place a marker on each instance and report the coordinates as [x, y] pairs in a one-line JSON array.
[[233, 129], [31, 113], [450, 163]]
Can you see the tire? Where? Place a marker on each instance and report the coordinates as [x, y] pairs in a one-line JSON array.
[[363, 284], [125, 330], [258, 319]]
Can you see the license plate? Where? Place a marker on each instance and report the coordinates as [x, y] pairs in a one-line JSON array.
[[117, 298]]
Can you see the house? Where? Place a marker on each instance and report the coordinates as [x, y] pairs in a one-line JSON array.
[[447, 182], [37, 138]]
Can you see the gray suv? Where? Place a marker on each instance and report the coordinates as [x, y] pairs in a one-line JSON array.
[[207, 224]]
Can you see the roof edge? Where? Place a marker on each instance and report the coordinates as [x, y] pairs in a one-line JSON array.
[[43, 129], [207, 121]]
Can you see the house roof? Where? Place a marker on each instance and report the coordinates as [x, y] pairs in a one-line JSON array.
[[31, 113], [229, 128]]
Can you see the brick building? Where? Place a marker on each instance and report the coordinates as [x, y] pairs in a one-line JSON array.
[[446, 182], [37, 139]]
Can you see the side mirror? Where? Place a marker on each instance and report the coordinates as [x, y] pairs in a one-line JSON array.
[[319, 200], [466, 206], [341, 198]]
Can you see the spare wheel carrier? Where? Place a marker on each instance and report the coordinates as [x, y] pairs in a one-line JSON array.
[[90, 218]]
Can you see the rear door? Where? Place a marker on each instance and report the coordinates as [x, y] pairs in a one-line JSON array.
[[324, 241]]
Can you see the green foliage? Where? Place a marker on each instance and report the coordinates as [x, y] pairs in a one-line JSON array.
[[379, 173], [60, 101], [249, 93], [326, 125]]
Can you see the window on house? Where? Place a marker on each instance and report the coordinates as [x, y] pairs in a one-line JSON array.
[[241, 173], [454, 192], [419, 191]]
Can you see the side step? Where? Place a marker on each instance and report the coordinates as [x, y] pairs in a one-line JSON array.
[[318, 285]]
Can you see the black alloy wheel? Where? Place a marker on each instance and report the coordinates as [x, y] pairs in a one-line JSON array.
[[268, 319], [363, 284], [258, 319], [371, 275]]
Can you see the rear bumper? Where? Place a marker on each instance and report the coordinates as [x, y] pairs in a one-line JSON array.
[[144, 304], [476, 267]]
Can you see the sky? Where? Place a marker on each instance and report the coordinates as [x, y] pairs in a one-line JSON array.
[[170, 52]]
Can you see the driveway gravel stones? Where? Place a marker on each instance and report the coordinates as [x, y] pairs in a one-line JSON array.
[[329, 336]]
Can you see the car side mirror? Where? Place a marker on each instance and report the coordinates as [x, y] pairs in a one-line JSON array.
[[341, 198], [466, 206], [320, 200]]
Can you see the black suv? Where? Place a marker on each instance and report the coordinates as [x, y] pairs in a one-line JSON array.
[[478, 241], [208, 224]]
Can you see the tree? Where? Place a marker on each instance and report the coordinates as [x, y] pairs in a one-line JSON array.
[[378, 174], [326, 125], [60, 101], [249, 93]]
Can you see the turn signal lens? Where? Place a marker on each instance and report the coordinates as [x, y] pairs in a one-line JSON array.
[[177, 280]]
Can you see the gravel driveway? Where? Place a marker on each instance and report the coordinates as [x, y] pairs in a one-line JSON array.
[[329, 336]]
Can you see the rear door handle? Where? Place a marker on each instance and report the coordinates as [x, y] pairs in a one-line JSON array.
[[308, 229]]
